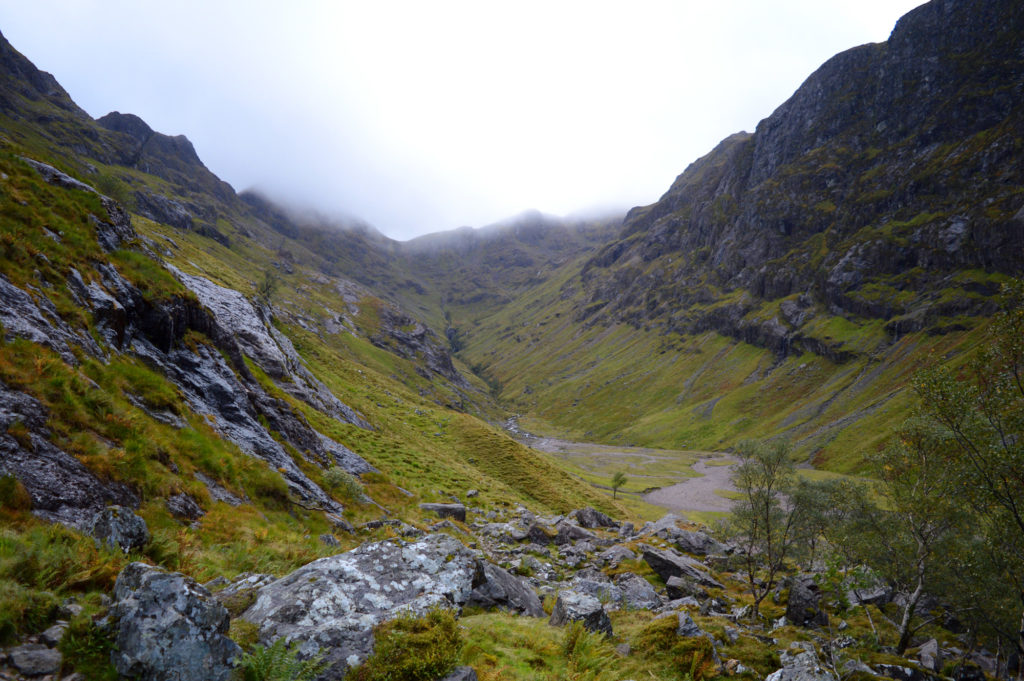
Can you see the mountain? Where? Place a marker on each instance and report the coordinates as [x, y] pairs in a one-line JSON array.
[[198, 385]]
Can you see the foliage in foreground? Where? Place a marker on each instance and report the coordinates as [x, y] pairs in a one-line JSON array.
[[276, 662], [412, 649]]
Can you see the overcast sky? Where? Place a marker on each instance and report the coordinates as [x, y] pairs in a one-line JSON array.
[[421, 116]]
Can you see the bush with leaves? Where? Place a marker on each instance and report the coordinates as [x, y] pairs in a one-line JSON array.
[[412, 648], [343, 484], [277, 662]]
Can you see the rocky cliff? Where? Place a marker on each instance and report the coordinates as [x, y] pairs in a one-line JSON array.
[[887, 186]]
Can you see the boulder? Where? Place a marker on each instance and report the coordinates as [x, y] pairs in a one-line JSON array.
[[680, 587], [804, 604], [687, 627], [901, 673], [572, 606], [801, 665], [35, 659], [462, 673], [930, 656], [591, 518], [637, 592], [697, 543], [240, 593], [454, 511], [671, 564], [567, 533], [168, 628], [184, 507], [333, 603], [117, 527], [501, 589], [615, 555]]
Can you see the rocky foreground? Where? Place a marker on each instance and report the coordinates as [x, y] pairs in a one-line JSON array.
[[585, 565]]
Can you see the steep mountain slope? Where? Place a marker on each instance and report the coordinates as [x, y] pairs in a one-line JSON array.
[[789, 280]]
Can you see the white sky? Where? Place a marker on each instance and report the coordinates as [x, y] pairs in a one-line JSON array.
[[423, 115]]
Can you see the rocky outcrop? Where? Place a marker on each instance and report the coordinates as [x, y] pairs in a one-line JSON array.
[[453, 511], [36, 319], [886, 173], [331, 604], [168, 628], [801, 664], [407, 337], [804, 604], [60, 487]]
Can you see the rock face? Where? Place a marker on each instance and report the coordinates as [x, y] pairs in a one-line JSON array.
[[591, 519], [168, 628], [61, 488], [117, 527], [800, 665], [333, 603], [871, 138], [501, 589], [572, 606]]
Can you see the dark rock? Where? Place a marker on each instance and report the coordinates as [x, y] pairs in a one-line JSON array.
[[681, 587], [804, 604], [540, 534], [333, 603], [697, 543], [184, 507], [168, 628], [591, 519], [35, 659], [116, 527], [671, 564], [329, 540], [501, 589], [53, 636], [687, 627], [576, 607], [455, 511]]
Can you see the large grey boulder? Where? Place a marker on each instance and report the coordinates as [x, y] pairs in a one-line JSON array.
[[168, 628], [671, 564], [567, 533], [698, 543], [501, 589], [332, 604], [117, 527], [637, 592], [804, 605], [572, 606], [680, 587]]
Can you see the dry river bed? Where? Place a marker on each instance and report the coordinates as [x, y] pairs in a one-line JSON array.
[[703, 492]]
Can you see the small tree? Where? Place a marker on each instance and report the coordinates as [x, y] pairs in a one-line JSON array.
[[266, 289], [764, 518], [618, 480]]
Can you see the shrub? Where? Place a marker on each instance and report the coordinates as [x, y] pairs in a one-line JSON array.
[[412, 649], [86, 649], [24, 611], [277, 662], [343, 484]]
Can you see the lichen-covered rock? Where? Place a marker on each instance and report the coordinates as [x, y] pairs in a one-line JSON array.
[[572, 606], [117, 527], [501, 589], [168, 628], [332, 604], [37, 320], [681, 587], [637, 592], [184, 507]]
